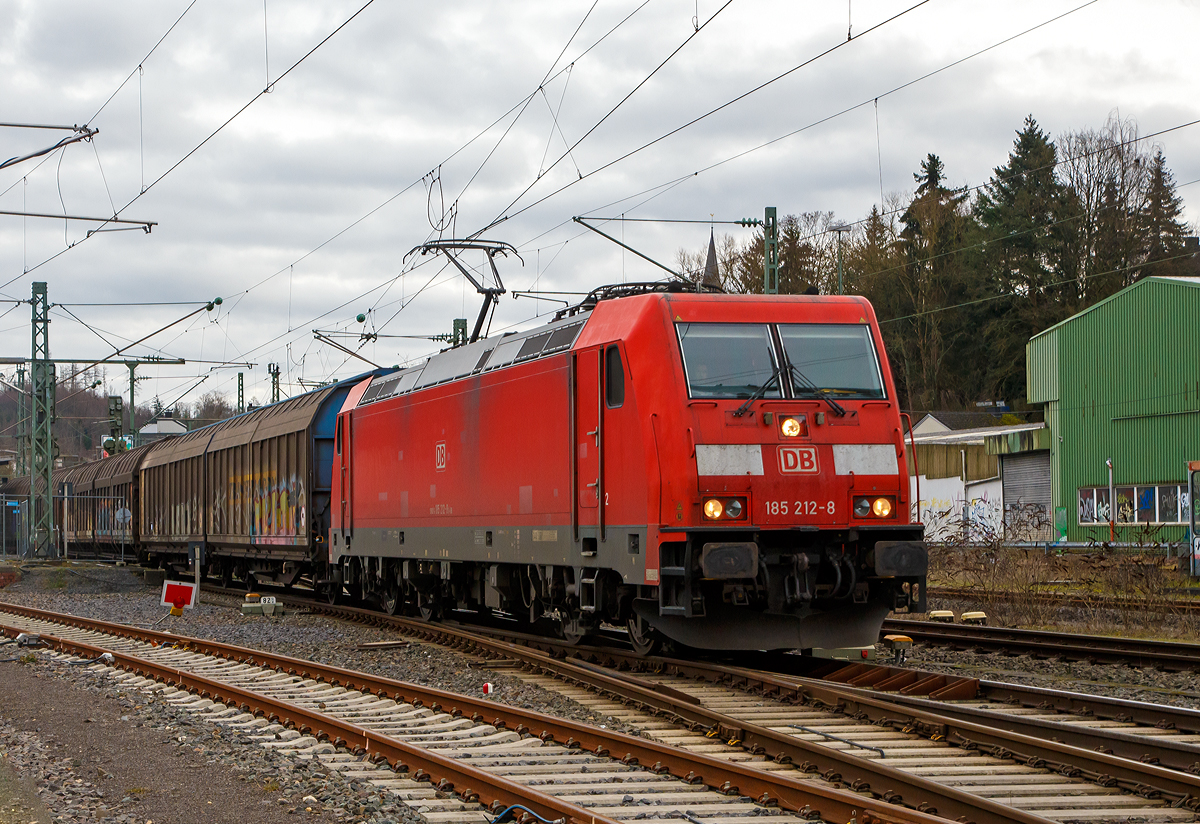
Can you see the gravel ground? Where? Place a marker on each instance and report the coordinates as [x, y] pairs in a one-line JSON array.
[[1151, 685], [117, 594], [252, 784], [98, 754], [260, 786], [1177, 689]]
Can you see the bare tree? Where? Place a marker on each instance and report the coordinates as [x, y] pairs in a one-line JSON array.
[[1107, 170]]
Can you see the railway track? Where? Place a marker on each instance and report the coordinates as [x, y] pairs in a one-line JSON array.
[[854, 738], [449, 754], [1150, 733], [1170, 605], [1138, 731], [1166, 655]]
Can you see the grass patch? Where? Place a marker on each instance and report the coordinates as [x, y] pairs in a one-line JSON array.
[[271, 787]]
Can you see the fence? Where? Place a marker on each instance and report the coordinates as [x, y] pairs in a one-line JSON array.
[[14, 526]]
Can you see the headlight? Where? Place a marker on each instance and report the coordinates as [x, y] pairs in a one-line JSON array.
[[883, 506], [790, 427], [725, 509]]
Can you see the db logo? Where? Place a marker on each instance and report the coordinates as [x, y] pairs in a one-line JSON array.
[[439, 456], [798, 459]]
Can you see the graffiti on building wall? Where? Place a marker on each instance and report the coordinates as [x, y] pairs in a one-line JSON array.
[[960, 518]]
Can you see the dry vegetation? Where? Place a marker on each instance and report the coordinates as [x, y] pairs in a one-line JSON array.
[[1129, 591]]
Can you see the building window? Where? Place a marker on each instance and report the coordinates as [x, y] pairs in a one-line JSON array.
[[1168, 504], [1125, 508], [1087, 506], [1161, 504]]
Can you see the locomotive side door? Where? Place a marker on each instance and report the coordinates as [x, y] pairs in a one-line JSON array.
[[587, 443], [343, 470]]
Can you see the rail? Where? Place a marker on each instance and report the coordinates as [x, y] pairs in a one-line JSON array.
[[767, 787]]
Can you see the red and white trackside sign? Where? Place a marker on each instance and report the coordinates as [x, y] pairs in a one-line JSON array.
[[179, 594], [798, 459]]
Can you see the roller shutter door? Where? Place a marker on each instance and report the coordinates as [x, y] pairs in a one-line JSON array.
[[1025, 479]]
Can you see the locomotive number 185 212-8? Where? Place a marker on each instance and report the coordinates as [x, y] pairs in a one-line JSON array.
[[800, 508]]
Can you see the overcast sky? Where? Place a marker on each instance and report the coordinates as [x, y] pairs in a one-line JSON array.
[[419, 116]]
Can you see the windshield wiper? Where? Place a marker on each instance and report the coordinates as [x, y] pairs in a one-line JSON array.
[[798, 377], [759, 392]]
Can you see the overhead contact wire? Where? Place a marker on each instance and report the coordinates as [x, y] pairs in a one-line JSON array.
[[606, 116], [214, 133]]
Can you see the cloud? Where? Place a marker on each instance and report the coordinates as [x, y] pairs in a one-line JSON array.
[[316, 191]]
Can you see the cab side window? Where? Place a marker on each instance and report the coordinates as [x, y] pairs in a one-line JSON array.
[[614, 374]]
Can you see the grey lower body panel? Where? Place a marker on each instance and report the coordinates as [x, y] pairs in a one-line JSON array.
[[622, 550]]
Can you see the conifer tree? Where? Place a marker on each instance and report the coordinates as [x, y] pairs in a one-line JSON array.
[[1162, 230], [1019, 213], [935, 225]]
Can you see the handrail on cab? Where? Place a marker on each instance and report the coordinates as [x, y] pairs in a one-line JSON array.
[[916, 466]]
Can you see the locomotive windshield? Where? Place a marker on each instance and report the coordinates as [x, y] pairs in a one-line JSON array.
[[727, 360], [740, 361], [835, 358]]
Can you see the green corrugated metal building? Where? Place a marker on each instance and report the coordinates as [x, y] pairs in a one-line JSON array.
[[1121, 381]]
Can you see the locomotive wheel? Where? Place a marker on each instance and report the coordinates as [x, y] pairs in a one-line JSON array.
[[391, 600], [644, 639], [428, 607], [572, 636]]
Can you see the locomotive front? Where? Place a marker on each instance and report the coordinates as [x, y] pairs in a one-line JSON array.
[[785, 506]]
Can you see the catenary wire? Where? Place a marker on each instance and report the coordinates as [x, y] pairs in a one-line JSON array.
[[142, 62], [211, 135], [815, 123], [1072, 279], [710, 167], [606, 116], [389, 200], [467, 144], [503, 216]]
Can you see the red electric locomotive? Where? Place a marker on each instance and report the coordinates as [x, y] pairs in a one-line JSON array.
[[724, 471]]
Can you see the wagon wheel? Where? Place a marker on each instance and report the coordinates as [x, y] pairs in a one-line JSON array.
[[390, 600], [226, 575], [333, 592], [644, 638]]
